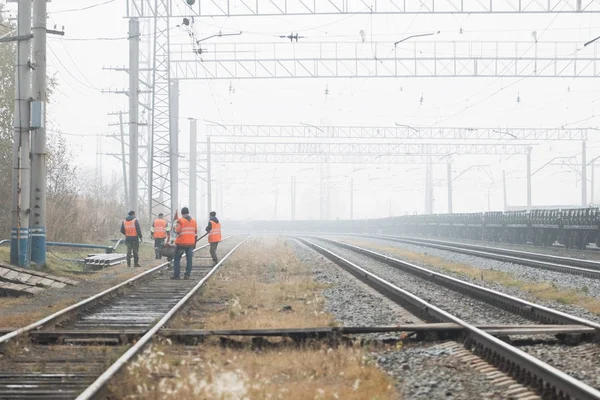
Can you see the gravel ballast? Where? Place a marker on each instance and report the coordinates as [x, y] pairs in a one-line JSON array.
[[423, 371], [464, 307], [519, 272]]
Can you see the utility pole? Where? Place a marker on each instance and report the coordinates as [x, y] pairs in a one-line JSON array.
[[21, 174], [529, 178], [504, 190], [174, 151], [321, 192], [134, 91], [208, 176], [428, 187], [293, 198], [592, 188], [193, 166], [351, 198], [98, 175], [37, 218], [449, 174], [123, 160], [583, 174]]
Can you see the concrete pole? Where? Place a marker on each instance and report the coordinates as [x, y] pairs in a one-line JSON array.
[[208, 176], [124, 163], [504, 190], [583, 174], [529, 178], [202, 196], [428, 187], [351, 198], [134, 92], [21, 174], [37, 218], [321, 192], [449, 173], [592, 188], [193, 167], [293, 198], [174, 153]]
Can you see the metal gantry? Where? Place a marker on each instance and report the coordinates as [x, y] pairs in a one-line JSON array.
[[384, 60], [394, 132], [328, 60], [245, 8], [366, 149]]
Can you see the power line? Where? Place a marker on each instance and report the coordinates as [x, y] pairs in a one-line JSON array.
[[82, 8]]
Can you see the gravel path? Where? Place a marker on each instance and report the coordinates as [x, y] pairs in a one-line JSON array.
[[352, 302], [588, 254], [519, 272], [423, 371], [464, 307], [434, 372], [581, 362]]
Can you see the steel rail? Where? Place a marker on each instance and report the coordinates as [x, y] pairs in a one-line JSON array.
[[101, 382], [535, 260], [510, 303], [550, 258], [538, 374], [90, 301]]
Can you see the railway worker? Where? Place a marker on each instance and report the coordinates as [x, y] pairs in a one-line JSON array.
[[133, 236], [214, 235], [187, 234], [159, 231]]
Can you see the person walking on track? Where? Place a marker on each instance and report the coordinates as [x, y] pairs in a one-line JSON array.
[[159, 231], [214, 235], [187, 234], [133, 236]]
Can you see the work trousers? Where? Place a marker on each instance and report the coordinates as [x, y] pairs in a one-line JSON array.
[[189, 255], [158, 244], [133, 248], [213, 251]]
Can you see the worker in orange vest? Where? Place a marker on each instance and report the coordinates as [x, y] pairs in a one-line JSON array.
[[187, 234], [214, 235], [133, 236], [159, 231]]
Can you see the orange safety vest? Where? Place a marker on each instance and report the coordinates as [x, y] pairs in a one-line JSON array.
[[130, 230], [160, 228], [187, 231], [214, 236]]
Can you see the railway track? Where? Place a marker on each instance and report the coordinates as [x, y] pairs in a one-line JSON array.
[[547, 380], [93, 345], [569, 265]]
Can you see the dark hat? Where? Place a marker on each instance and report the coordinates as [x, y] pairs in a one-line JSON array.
[[160, 215], [185, 210], [213, 214], [131, 212]]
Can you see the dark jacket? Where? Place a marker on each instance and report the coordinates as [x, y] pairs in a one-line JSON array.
[[215, 220], [137, 228]]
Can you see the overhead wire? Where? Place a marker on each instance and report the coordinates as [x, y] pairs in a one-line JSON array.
[[82, 8], [70, 74]]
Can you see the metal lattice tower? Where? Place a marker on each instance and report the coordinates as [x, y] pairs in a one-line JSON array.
[[160, 148], [137, 9]]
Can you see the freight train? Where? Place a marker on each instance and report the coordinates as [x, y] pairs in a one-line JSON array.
[[572, 228]]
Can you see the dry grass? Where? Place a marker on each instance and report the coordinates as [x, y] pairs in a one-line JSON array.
[[539, 290], [209, 372], [252, 289], [21, 319], [255, 285]]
